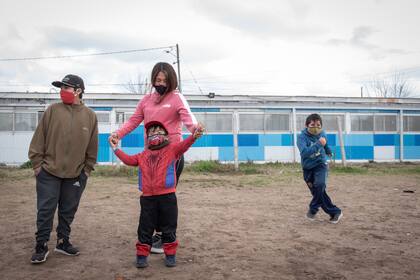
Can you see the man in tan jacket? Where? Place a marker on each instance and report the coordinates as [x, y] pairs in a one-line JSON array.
[[63, 152]]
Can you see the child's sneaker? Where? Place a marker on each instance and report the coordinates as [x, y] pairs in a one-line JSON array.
[[157, 245], [336, 218], [64, 247], [141, 262], [310, 215], [41, 253], [170, 260]]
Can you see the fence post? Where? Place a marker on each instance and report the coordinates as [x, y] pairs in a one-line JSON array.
[[340, 137]]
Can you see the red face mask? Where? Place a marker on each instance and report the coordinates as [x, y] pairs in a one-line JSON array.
[[156, 140], [67, 96]]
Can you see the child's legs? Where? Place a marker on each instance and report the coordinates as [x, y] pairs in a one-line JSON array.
[[179, 167], [147, 223], [320, 176], [168, 221], [308, 176]]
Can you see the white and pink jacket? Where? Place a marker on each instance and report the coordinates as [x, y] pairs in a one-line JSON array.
[[172, 110]]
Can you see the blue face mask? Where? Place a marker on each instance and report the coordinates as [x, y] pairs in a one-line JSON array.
[[161, 89]]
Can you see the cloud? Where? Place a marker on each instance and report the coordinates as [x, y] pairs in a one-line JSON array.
[[360, 39], [264, 19]]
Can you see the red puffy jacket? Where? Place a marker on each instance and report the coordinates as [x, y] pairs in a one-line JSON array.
[[157, 173]]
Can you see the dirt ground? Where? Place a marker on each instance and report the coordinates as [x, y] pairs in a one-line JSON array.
[[231, 226]]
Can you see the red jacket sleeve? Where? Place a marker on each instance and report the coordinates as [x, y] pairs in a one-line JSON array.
[[127, 159], [183, 146]]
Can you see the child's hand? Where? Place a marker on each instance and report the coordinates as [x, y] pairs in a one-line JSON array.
[[113, 144], [113, 139], [323, 141], [199, 131]]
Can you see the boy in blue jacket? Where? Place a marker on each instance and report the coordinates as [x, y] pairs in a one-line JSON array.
[[313, 147]]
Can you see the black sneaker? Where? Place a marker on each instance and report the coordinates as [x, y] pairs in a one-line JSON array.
[[141, 262], [157, 245], [310, 215], [64, 247], [170, 260], [336, 218], [41, 253]]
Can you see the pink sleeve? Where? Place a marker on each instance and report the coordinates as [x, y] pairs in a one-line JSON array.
[[133, 122], [187, 117]]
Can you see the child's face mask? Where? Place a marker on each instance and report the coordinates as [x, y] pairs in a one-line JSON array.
[[156, 140], [316, 130]]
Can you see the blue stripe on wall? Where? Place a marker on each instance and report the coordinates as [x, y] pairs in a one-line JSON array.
[[248, 140], [132, 140], [251, 153], [412, 152], [205, 109], [355, 152], [331, 139], [386, 139], [358, 139], [101, 108], [213, 140], [412, 140], [226, 154], [287, 139], [270, 139]]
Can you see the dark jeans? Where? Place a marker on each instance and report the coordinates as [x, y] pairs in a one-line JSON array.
[[52, 191], [316, 179], [158, 211]]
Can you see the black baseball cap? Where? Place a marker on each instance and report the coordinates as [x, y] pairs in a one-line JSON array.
[[71, 81]]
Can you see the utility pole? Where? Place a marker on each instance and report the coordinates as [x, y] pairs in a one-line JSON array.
[[179, 68], [361, 92]]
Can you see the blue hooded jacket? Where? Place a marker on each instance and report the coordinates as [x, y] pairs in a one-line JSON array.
[[312, 153]]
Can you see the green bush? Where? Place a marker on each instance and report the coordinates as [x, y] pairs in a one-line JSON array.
[[26, 165]]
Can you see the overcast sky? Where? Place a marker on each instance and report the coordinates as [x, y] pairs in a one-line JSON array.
[[295, 47]]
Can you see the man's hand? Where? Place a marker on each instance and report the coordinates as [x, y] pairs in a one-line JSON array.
[[113, 139], [323, 141], [37, 170], [199, 131]]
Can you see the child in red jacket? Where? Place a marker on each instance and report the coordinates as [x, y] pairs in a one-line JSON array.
[[157, 182]]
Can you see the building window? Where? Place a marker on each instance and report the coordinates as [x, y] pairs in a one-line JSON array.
[[215, 122], [119, 118], [386, 123], [412, 123], [277, 122], [329, 122], [251, 122], [362, 123], [6, 121], [25, 121], [103, 117]]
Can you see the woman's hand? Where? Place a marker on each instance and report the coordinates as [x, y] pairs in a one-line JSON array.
[[199, 131]]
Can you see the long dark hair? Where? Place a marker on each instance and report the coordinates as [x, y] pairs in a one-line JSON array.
[[170, 75]]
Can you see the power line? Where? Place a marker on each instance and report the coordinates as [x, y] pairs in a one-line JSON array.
[[82, 55]]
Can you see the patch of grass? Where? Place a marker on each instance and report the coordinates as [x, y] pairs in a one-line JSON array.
[[348, 170], [115, 171], [210, 166], [26, 165]]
